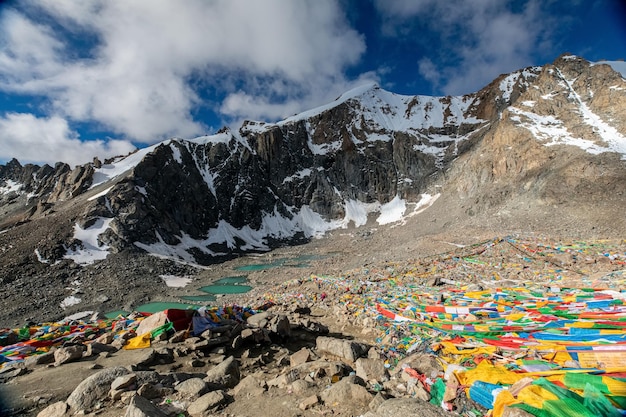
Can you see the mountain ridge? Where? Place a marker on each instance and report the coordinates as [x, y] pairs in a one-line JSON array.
[[532, 143]]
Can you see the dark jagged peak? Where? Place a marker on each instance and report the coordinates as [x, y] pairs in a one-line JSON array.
[[240, 190], [373, 108], [533, 147]]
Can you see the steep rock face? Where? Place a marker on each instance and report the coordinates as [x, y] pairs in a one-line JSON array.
[[268, 184], [31, 190], [541, 134], [560, 146]]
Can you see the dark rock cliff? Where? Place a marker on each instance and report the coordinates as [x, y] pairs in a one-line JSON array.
[[258, 187]]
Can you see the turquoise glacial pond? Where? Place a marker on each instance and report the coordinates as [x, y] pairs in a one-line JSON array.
[[228, 285], [114, 314], [226, 289], [162, 305], [239, 279], [206, 297]]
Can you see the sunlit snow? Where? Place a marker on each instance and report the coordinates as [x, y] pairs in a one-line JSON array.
[[10, 186], [306, 172], [100, 194], [508, 83], [120, 165], [174, 281], [610, 135], [552, 131], [392, 211], [277, 226], [90, 251], [324, 148], [70, 301], [176, 153], [425, 202], [41, 258], [77, 316], [382, 110]]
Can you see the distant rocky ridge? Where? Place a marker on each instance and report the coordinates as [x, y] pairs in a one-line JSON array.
[[538, 145], [267, 183]]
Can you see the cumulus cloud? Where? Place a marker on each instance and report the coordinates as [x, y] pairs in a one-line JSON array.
[[128, 65], [254, 103], [49, 139], [470, 43]]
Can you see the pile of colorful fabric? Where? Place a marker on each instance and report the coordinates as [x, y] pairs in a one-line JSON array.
[[550, 349], [137, 330], [521, 323], [30, 340], [568, 346]]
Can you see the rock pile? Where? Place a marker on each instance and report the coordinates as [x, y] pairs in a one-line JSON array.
[[278, 362]]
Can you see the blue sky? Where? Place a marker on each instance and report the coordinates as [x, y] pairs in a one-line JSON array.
[[102, 77]]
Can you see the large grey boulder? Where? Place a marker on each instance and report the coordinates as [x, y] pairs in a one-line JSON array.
[[142, 407], [371, 369], [208, 402], [192, 387], [346, 391], [259, 319], [250, 386], [94, 388], [408, 407], [423, 363], [343, 349], [225, 375], [58, 409], [68, 354], [300, 357]]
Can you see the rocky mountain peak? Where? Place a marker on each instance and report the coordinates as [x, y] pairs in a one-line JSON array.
[[527, 144]]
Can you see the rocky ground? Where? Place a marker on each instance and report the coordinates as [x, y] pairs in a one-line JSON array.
[[307, 355], [121, 282], [282, 362]]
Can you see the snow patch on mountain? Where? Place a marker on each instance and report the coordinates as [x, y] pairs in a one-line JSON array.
[[508, 83], [615, 140], [176, 153], [323, 148], [355, 92], [425, 202], [392, 211], [277, 226], [91, 250], [174, 281], [120, 165], [70, 301], [383, 110], [552, 131], [10, 186], [303, 173], [40, 258], [100, 194]]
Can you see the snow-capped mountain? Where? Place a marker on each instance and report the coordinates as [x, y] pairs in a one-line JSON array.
[[540, 137]]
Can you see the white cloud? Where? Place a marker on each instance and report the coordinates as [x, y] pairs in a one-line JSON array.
[[27, 50], [256, 103], [38, 140], [133, 72], [470, 42], [429, 71]]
